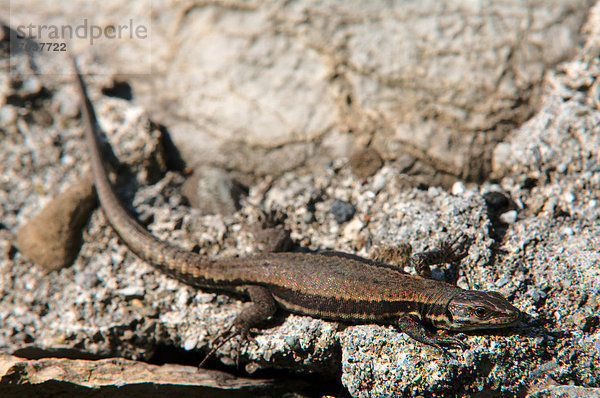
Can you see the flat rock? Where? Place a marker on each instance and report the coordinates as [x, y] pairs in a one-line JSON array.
[[82, 378]]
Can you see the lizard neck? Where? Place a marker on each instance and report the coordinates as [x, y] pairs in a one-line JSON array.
[[433, 303]]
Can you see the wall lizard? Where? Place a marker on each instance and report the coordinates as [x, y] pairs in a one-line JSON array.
[[328, 285]]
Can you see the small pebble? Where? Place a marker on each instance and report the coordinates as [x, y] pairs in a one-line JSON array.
[[365, 163], [31, 85], [458, 188], [308, 217], [538, 297], [131, 291], [509, 217], [183, 298], [190, 344], [562, 167], [569, 197], [502, 281], [463, 283], [352, 229], [379, 182], [496, 201], [293, 342], [438, 274], [8, 115], [342, 211]]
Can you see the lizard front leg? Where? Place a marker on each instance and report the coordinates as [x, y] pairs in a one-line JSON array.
[[446, 253], [401, 255], [416, 331], [263, 306]]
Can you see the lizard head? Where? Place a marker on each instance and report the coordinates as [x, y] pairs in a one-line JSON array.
[[472, 309]]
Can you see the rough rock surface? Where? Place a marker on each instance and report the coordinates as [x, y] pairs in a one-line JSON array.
[[260, 88], [541, 251]]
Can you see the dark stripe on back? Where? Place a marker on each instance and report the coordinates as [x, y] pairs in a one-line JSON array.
[[341, 309]]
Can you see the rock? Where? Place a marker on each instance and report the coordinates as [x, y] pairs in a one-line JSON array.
[[213, 191], [365, 163], [458, 188], [352, 229], [53, 237], [379, 182], [442, 84], [510, 217], [342, 211], [565, 392], [136, 378], [8, 115]]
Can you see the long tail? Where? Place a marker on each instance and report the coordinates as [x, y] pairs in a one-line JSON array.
[[172, 260]]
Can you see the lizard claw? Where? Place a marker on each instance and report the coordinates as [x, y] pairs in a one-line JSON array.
[[448, 341], [244, 339], [451, 341], [457, 248], [222, 338]]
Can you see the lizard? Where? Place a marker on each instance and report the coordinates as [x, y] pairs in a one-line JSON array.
[[329, 285]]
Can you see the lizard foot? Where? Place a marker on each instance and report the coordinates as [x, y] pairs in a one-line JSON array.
[[439, 340], [446, 252], [263, 306], [415, 330], [457, 248], [243, 336]]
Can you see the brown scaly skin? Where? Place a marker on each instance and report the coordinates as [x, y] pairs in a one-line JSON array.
[[328, 285]]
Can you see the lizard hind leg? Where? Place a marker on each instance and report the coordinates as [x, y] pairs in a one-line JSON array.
[[263, 306]]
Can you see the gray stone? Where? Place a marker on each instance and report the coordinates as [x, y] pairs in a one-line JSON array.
[[510, 217], [566, 392], [342, 211], [213, 191]]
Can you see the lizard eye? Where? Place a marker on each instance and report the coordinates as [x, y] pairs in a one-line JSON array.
[[480, 312]]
